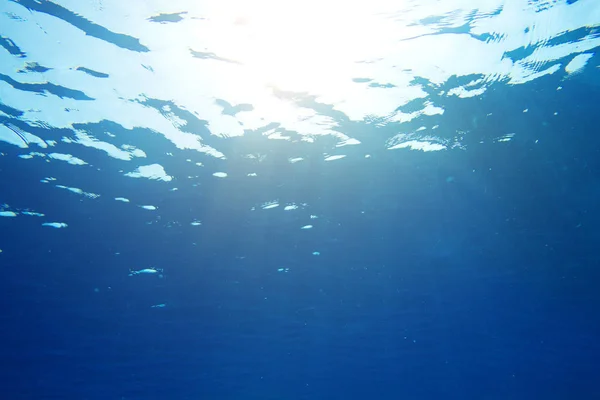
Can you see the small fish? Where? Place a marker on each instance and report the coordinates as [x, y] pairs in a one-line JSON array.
[[148, 271]]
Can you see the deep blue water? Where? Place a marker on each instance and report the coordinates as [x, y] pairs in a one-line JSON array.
[[467, 271]]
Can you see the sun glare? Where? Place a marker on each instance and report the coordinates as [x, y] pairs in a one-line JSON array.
[[295, 45]]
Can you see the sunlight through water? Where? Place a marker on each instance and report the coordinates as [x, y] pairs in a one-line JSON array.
[[172, 92]]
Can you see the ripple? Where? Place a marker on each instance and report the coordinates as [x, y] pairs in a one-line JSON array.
[[199, 91]]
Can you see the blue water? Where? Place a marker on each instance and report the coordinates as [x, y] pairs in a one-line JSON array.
[[266, 200]]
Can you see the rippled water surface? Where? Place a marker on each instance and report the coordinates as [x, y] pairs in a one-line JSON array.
[[299, 200]]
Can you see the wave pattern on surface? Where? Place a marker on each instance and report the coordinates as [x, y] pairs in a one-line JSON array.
[[177, 93]]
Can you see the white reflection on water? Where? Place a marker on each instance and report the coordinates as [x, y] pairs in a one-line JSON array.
[[194, 85]]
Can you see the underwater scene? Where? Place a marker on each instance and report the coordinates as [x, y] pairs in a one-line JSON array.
[[299, 200]]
